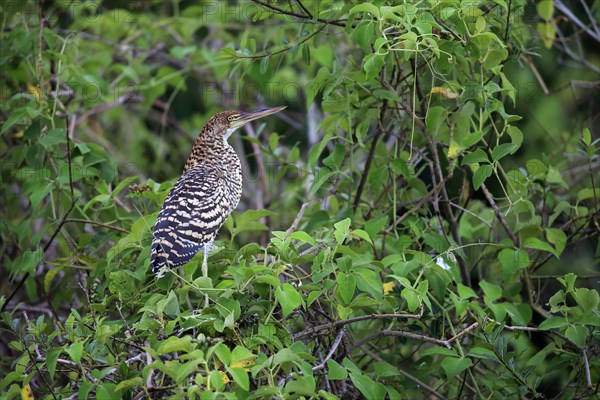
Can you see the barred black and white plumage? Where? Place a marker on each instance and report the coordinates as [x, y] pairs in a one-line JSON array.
[[207, 192], [193, 212]]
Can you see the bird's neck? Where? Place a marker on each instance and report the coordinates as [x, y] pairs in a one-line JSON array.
[[208, 149]]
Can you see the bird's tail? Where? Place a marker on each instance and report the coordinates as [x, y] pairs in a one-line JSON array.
[[158, 257]]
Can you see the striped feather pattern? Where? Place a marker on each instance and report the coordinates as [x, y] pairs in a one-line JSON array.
[[198, 204]]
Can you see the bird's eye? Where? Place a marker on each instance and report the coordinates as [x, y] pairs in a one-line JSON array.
[[232, 117]]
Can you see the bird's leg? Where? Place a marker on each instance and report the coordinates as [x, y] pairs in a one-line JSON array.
[[205, 263], [207, 249]]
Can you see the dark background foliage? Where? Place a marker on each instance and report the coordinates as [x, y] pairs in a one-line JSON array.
[[420, 222]]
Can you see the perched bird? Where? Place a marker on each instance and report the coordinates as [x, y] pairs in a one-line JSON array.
[[207, 192]]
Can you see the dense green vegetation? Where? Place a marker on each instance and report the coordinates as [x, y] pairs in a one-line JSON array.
[[422, 221]]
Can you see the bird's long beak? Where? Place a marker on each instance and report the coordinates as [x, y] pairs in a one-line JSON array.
[[246, 117]]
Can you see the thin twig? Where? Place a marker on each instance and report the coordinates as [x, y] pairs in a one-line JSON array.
[[499, 215], [100, 108], [306, 11], [335, 345], [565, 10], [463, 332], [408, 376], [306, 39], [471, 213], [87, 221], [507, 31], [294, 227], [343, 322], [302, 16], [586, 367], [536, 73], [417, 206], [412, 335], [367, 167]]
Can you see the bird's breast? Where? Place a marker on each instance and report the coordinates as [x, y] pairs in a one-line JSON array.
[[233, 177]]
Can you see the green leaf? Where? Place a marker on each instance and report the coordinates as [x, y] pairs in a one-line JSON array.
[[513, 261], [545, 9], [240, 376], [511, 92], [365, 7], [174, 343], [363, 33], [344, 312], [439, 350], [519, 315], [273, 142], [386, 95], [269, 279], [537, 244], [106, 391], [288, 298], [554, 176], [52, 138], [168, 305], [306, 54], [480, 24], [587, 136], [303, 237], [373, 64], [502, 3], [346, 287], [301, 385], [342, 229], [362, 235], [435, 119], [240, 353], [536, 169], [553, 323], [558, 238], [502, 150], [577, 334], [75, 351], [491, 291], [369, 281], [454, 366], [482, 352], [587, 193], [316, 151], [412, 299], [248, 220], [30, 260], [39, 193], [516, 137], [264, 65], [587, 299], [335, 371], [50, 277], [336, 157], [465, 292], [314, 86], [285, 355], [129, 383], [368, 387], [13, 118], [476, 156], [481, 174], [14, 376], [51, 360]]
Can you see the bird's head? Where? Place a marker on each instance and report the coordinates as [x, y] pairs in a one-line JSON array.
[[230, 121]]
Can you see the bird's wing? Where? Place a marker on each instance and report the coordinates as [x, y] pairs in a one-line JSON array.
[[190, 217]]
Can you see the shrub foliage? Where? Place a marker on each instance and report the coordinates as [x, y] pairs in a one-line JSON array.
[[421, 223]]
